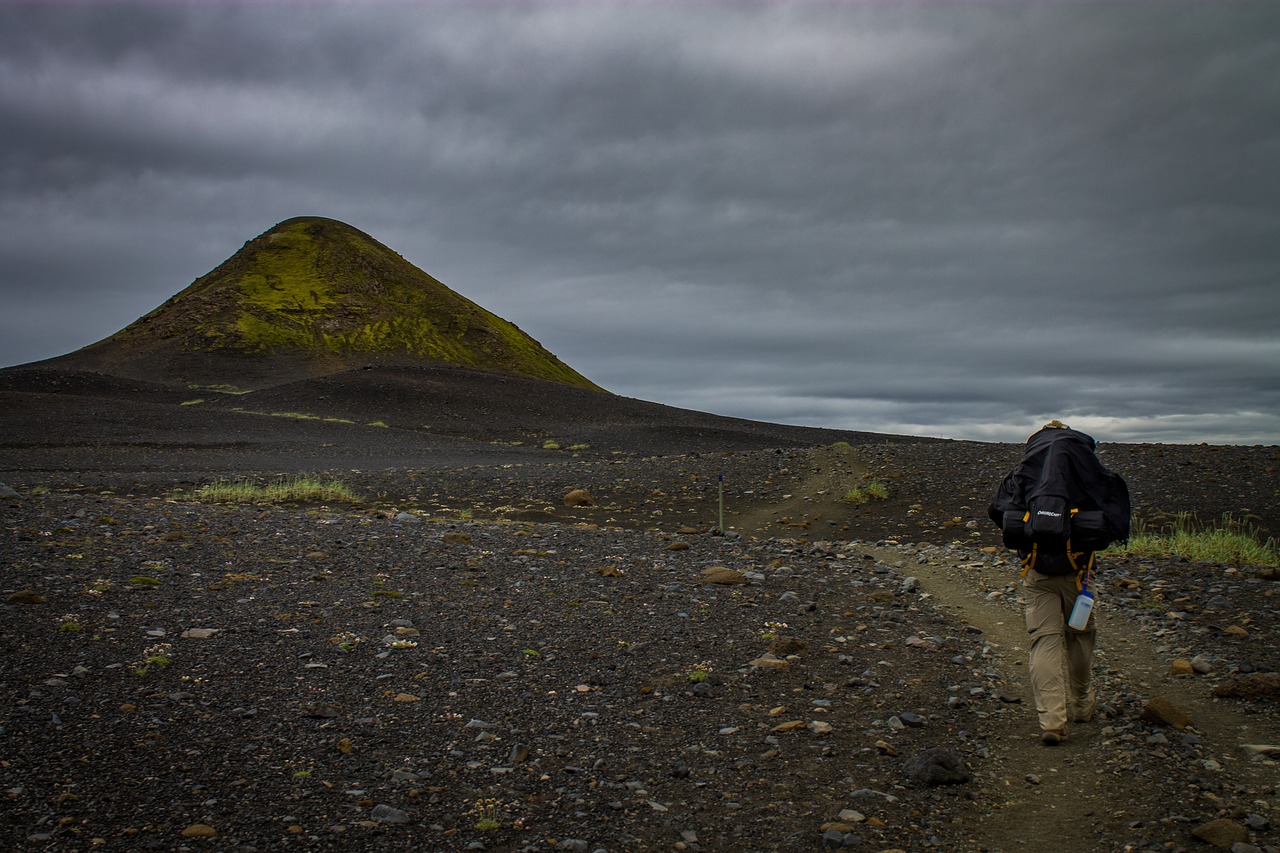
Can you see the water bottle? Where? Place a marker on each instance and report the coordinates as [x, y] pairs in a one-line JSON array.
[[1080, 613]]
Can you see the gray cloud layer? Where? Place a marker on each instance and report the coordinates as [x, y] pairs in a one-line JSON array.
[[945, 219]]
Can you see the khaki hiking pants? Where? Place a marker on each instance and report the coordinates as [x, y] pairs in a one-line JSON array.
[[1061, 659]]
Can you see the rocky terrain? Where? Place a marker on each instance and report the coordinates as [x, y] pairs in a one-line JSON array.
[[462, 662], [556, 619]]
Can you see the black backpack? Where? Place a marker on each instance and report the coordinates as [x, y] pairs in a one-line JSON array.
[[1060, 502]]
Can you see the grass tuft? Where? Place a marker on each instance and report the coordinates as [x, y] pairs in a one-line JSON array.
[[872, 491], [1231, 541], [305, 489]]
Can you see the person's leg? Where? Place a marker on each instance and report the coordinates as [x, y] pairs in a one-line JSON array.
[[1047, 660], [1079, 652]]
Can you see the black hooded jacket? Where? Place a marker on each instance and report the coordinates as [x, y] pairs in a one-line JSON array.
[[1060, 481]]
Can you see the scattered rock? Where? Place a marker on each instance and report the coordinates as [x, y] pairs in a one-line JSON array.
[[1264, 750], [579, 497], [1180, 667], [199, 830], [783, 646], [25, 596], [1221, 833], [723, 576], [1255, 685], [789, 726], [384, 813], [1163, 712], [936, 766]]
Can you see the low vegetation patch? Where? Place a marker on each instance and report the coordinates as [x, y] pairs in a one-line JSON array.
[[297, 416], [867, 492], [221, 389], [1231, 541], [305, 489]]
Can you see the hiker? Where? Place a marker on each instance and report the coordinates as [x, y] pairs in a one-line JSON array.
[[1057, 507]]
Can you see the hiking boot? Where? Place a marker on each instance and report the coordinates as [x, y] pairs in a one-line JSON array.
[[1085, 713], [1053, 737]]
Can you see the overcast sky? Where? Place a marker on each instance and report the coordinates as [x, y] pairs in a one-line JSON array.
[[938, 218]]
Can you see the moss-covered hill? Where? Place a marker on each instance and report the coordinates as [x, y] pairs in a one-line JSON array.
[[314, 290]]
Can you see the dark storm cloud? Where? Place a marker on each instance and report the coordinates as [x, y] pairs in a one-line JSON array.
[[948, 219]]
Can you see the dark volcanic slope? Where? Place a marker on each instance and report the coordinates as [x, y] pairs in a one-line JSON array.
[[378, 417]]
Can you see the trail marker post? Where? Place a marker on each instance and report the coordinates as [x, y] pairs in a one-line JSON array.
[[720, 528]]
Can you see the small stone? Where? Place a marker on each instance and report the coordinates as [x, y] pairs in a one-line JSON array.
[[407, 697], [384, 813], [519, 754], [200, 633], [456, 538], [199, 830], [579, 497], [25, 596], [790, 726], [912, 720], [1235, 631], [1163, 712], [407, 518], [936, 766], [1218, 603], [833, 838], [1181, 666], [1201, 665], [769, 661], [851, 816], [819, 728], [723, 576], [1263, 750], [678, 546], [1221, 833], [1255, 685]]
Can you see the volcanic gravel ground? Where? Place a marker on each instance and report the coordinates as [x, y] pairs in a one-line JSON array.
[[552, 668], [374, 678]]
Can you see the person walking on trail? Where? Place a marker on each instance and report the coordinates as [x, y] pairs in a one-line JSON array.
[[1057, 507]]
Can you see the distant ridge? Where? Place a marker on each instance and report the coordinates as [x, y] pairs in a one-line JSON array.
[[310, 297]]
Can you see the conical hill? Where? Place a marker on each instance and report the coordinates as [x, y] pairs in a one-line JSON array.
[[309, 297]]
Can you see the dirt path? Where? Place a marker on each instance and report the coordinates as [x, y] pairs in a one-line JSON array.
[[1112, 779], [1074, 798]]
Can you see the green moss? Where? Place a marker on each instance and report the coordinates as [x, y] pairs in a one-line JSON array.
[[321, 287]]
